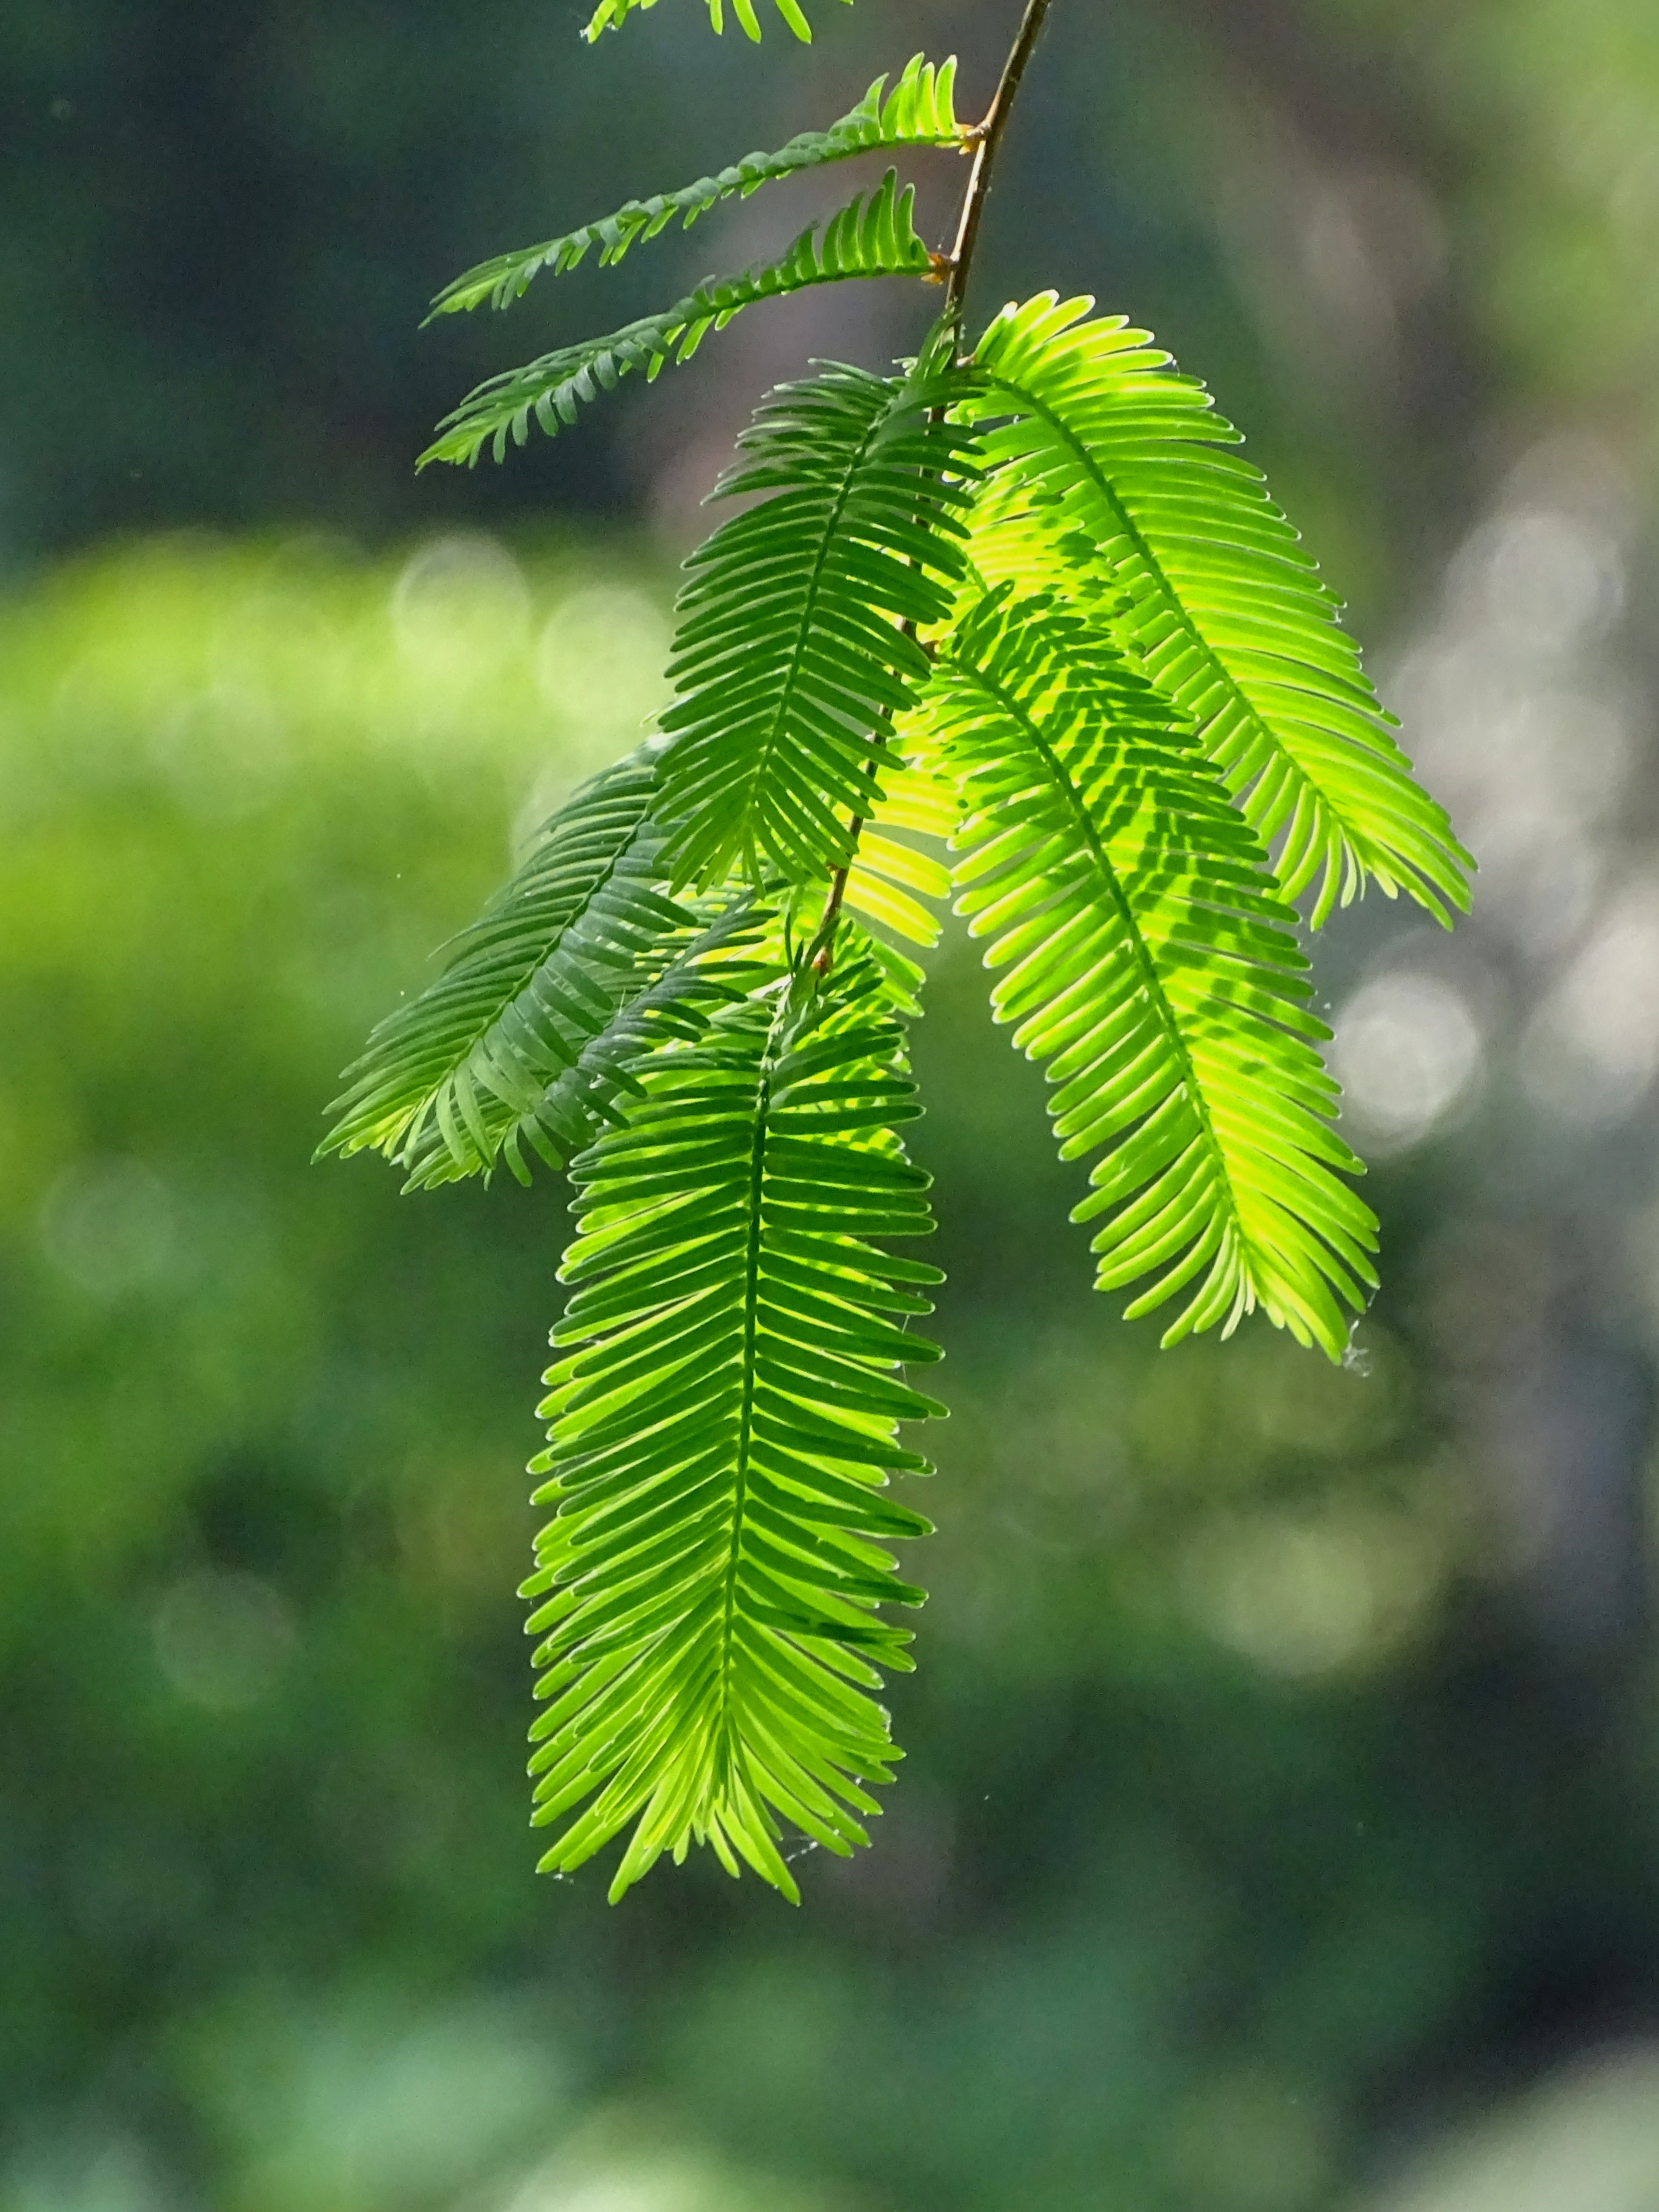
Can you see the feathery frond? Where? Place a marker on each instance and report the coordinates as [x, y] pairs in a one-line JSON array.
[[1029, 604], [790, 656], [611, 14], [723, 1427], [1151, 971], [571, 972], [874, 236], [1227, 609], [917, 112]]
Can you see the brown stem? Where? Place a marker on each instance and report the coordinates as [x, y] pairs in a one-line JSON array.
[[987, 137]]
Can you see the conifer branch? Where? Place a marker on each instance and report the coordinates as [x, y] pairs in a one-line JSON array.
[[1023, 596]]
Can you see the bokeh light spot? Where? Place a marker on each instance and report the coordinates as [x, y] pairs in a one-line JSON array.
[[110, 1227], [221, 1640], [1406, 1052], [461, 608]]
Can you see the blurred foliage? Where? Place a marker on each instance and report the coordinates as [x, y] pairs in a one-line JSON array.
[[1253, 1822], [1233, 1799]]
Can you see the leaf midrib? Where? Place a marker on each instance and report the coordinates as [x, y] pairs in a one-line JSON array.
[[862, 130], [815, 585], [646, 219], [503, 398], [746, 1411], [1015, 709], [1352, 838], [460, 1060]]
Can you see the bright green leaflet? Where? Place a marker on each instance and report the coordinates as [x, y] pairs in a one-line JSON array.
[[871, 236], [1151, 969], [1227, 611], [916, 113], [721, 1437], [527, 1036], [796, 639]]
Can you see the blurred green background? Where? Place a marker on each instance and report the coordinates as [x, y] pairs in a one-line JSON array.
[[1281, 1829]]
